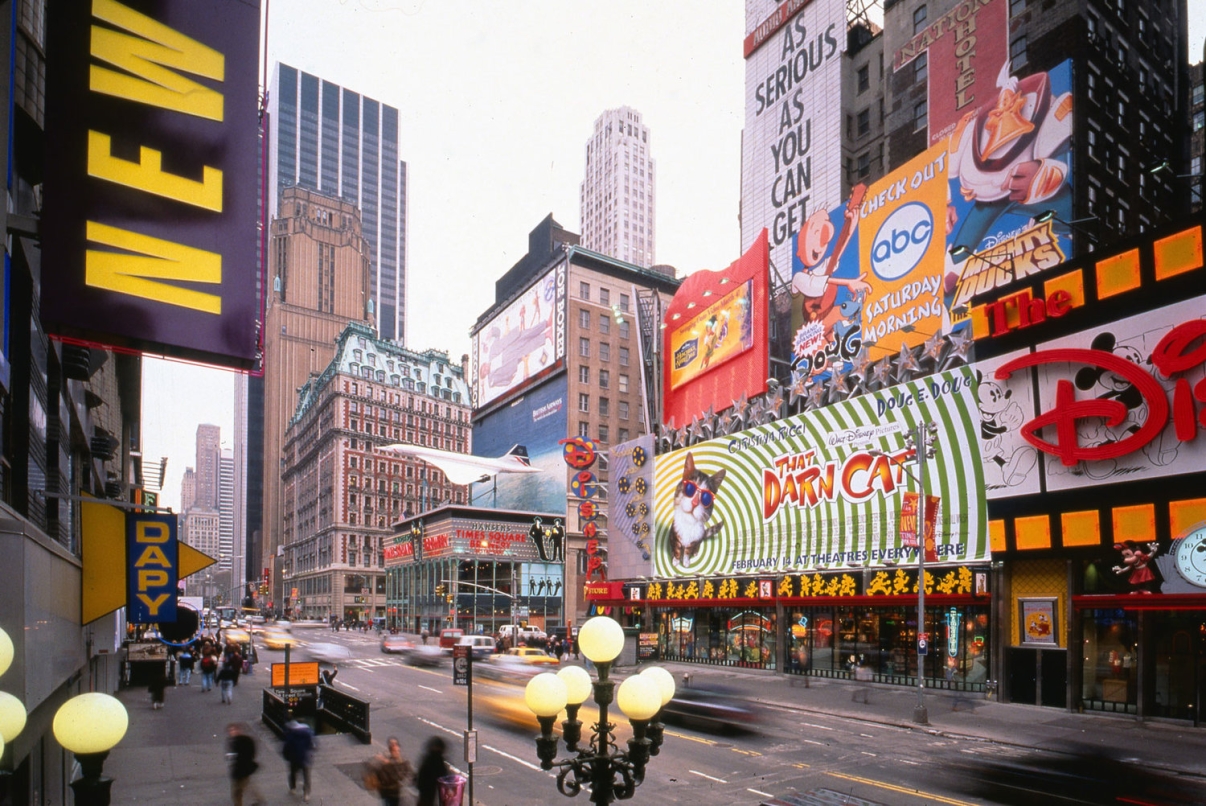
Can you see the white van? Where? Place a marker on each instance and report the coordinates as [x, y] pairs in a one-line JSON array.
[[480, 646], [524, 633]]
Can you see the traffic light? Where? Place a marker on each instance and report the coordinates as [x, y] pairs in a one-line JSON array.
[[441, 589]]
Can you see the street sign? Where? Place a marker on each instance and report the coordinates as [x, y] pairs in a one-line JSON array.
[[923, 644], [470, 747], [462, 662]]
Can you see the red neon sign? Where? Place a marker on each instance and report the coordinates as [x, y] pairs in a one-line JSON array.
[[1175, 353]]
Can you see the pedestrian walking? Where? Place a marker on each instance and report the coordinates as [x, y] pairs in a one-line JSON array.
[[299, 752], [432, 768], [209, 667], [329, 675], [185, 664], [228, 675], [391, 775], [240, 752], [157, 685]]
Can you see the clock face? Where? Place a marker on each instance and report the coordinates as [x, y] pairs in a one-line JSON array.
[[1191, 557]]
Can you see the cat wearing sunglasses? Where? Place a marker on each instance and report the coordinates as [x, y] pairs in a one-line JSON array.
[[693, 502]]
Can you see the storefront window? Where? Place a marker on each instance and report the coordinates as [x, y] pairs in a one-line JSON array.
[[1111, 650], [882, 642]]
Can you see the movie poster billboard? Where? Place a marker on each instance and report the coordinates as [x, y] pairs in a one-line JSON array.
[[537, 421], [824, 489], [965, 50], [630, 509], [148, 229], [716, 342], [1114, 404], [791, 146], [520, 342], [723, 330], [905, 258]]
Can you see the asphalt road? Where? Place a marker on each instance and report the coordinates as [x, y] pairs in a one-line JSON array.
[[787, 752]]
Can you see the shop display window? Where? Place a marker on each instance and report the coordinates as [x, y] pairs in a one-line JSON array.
[[1110, 639], [880, 643]]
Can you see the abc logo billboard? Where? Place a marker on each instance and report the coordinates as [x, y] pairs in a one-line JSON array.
[[902, 241]]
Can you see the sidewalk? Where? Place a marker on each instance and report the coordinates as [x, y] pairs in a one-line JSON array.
[[177, 755], [1169, 746]]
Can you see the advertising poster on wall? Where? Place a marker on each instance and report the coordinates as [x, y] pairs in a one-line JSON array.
[[791, 147], [537, 420], [723, 330], [824, 489], [879, 269], [964, 50], [630, 509], [1011, 466], [517, 344], [716, 342], [1115, 403]]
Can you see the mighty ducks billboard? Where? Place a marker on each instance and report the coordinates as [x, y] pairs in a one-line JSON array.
[[824, 489], [909, 255]]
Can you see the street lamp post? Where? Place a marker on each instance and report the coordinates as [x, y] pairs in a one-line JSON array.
[[89, 725], [921, 439], [611, 774]]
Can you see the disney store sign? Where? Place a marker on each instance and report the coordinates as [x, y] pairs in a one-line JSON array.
[[1182, 349]]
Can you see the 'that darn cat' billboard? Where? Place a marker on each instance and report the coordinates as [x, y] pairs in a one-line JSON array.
[[824, 489]]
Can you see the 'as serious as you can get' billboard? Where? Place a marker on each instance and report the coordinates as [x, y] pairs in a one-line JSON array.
[[149, 224], [791, 154], [824, 489]]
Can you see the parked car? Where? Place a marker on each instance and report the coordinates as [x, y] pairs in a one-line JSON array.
[[448, 638], [481, 646], [397, 644]]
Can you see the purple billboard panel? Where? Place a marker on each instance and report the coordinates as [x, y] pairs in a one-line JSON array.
[[149, 224]]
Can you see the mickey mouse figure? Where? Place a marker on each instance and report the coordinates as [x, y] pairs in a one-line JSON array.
[[1116, 387]]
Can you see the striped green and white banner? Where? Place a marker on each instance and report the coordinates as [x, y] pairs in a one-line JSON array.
[[822, 490]]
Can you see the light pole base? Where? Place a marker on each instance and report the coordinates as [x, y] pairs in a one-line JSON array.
[[921, 714]]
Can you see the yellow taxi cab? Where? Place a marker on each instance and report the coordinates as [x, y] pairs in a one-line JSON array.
[[277, 639], [528, 654]]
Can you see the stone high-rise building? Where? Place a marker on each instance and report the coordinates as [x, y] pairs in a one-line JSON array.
[[209, 451], [617, 195], [319, 282]]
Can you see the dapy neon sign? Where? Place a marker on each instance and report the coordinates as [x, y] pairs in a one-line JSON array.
[[1182, 348], [152, 568]]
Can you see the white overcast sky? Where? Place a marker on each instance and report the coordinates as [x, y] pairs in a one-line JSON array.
[[496, 102]]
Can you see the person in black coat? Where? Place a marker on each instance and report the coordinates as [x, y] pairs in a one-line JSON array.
[[240, 751], [432, 768]]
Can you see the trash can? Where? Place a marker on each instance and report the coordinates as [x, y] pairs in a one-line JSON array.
[[452, 790]]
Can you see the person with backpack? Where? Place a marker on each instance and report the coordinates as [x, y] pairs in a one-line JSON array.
[[209, 667]]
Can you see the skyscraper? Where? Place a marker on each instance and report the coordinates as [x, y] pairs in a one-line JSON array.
[[226, 498], [617, 196], [334, 140], [318, 269], [209, 451]]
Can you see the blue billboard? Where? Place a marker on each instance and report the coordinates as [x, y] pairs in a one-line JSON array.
[[537, 420]]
